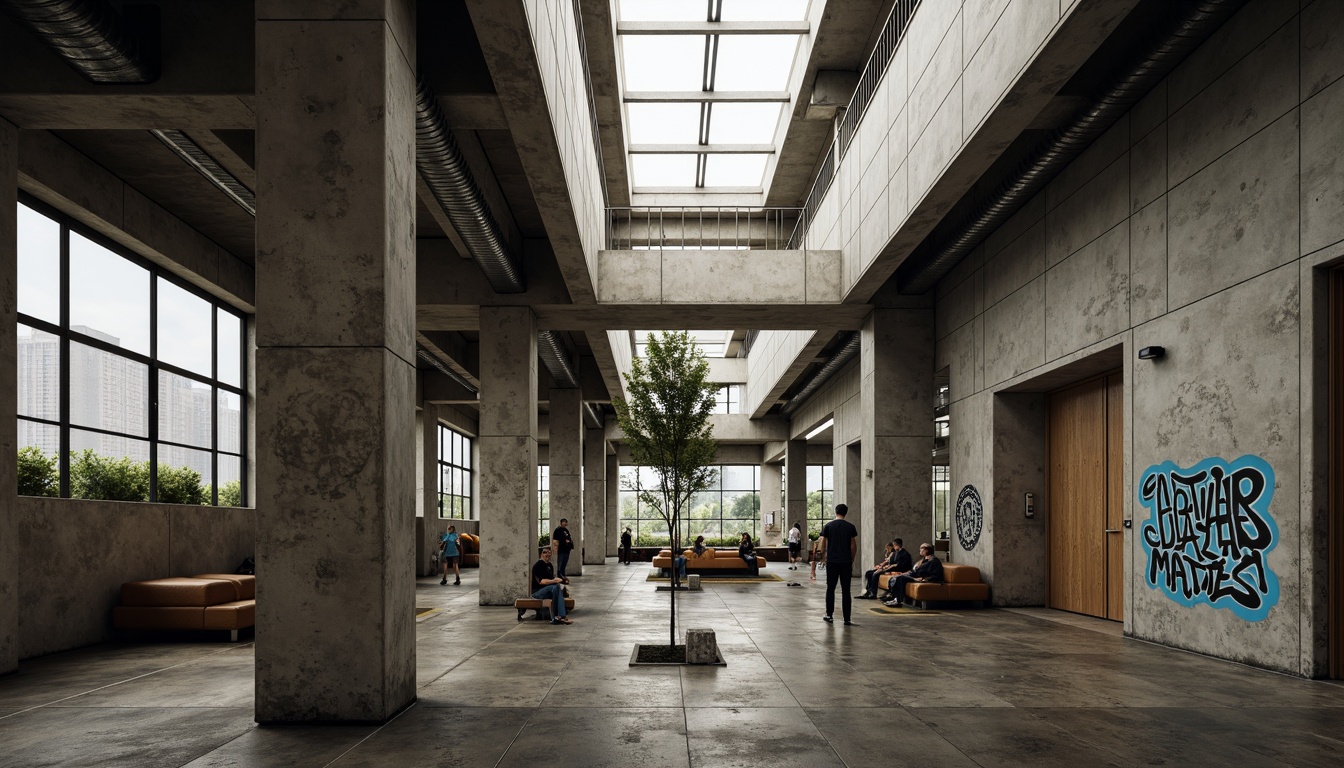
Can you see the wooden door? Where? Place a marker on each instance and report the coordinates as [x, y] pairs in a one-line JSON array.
[[1087, 498]]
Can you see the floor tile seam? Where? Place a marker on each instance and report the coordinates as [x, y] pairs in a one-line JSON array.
[[120, 682], [928, 727], [373, 733], [523, 726]]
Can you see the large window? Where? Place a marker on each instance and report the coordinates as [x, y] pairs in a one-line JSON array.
[[543, 500], [729, 508], [130, 382], [455, 475], [820, 498], [942, 499], [728, 399]]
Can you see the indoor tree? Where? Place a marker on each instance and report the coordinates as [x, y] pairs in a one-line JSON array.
[[665, 418]]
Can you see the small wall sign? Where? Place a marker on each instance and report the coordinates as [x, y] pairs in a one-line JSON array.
[[970, 517]]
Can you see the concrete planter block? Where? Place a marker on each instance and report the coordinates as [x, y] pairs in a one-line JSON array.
[[701, 647], [693, 582]]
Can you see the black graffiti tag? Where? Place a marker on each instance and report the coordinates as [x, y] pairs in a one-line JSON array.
[[1209, 532]]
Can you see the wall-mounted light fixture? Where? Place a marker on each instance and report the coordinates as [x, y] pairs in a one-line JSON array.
[[1152, 353]]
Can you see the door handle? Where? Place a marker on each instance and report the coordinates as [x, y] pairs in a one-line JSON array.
[[1115, 530]]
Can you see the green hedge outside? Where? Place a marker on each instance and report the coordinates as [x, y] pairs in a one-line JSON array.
[[93, 476]]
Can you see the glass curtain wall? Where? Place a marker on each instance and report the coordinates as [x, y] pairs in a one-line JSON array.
[[455, 500], [726, 510], [130, 382], [820, 498], [543, 500]]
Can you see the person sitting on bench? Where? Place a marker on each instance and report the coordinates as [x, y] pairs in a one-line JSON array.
[[747, 552], [930, 568], [897, 561], [546, 586], [698, 548]]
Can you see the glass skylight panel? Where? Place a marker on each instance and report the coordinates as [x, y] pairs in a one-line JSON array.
[[663, 123], [754, 62], [763, 10], [664, 62], [663, 170], [743, 123], [669, 10], [734, 170]]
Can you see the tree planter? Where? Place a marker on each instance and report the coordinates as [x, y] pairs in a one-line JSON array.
[[648, 655]]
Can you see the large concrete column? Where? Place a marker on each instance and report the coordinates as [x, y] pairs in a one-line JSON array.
[[896, 393], [795, 483], [613, 506], [566, 454], [9, 377], [594, 496], [335, 270], [508, 452], [846, 470], [428, 484], [772, 478]]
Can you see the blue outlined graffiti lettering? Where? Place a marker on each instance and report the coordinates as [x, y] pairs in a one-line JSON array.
[[1209, 534]]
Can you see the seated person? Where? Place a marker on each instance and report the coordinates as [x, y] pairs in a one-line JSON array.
[[546, 586], [897, 561], [747, 551], [698, 548], [930, 568]]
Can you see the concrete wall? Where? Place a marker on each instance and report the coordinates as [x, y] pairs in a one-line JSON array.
[[74, 555], [773, 354], [1197, 223]]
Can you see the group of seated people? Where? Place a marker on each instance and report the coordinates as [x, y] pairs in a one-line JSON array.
[[903, 570], [745, 550]]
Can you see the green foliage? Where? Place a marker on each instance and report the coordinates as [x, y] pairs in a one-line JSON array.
[[39, 474], [666, 424], [102, 477], [181, 485], [544, 540], [230, 494]]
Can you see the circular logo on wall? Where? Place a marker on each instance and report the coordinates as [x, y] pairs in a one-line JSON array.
[[970, 517]]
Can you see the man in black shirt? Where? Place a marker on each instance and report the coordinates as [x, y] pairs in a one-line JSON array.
[[546, 586], [564, 544], [930, 568], [839, 542]]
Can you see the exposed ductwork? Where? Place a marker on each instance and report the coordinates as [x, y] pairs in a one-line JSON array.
[[445, 172], [848, 352], [1168, 50], [205, 165], [553, 355], [90, 35], [426, 356]]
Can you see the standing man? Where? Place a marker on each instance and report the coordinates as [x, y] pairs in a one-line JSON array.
[[839, 542], [546, 586], [625, 547], [564, 544]]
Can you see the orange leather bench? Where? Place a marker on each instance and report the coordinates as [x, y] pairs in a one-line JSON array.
[[542, 607], [717, 560], [209, 601], [470, 547], [961, 583]]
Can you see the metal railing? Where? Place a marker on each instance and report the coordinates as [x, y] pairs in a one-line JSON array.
[[703, 227]]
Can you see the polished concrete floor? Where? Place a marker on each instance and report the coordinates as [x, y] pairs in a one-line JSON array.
[[955, 688]]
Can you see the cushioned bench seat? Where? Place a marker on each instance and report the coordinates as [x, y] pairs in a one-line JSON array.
[[525, 604], [712, 561], [224, 602], [961, 584]]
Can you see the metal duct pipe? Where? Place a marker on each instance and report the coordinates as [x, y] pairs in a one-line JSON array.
[[446, 174], [552, 354], [425, 355], [837, 361], [197, 158], [1186, 34], [90, 36]]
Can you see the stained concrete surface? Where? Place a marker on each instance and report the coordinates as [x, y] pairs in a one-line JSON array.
[[956, 688]]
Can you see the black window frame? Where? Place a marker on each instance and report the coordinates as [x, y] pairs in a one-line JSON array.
[[448, 461], [65, 335]]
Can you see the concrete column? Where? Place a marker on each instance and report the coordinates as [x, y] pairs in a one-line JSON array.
[[566, 460], [896, 394], [508, 452], [772, 477], [595, 497], [335, 270], [428, 484], [795, 483], [613, 506], [9, 377], [846, 469]]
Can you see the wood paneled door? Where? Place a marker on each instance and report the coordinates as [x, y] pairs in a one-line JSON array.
[[1087, 498]]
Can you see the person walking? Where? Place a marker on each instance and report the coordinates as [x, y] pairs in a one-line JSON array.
[[564, 544], [625, 547], [839, 542], [451, 555], [795, 546]]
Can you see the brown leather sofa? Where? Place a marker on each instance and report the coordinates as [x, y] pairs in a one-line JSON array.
[[961, 583], [470, 547], [712, 561], [213, 601]]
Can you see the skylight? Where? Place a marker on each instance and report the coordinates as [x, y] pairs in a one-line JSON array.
[[711, 343], [705, 85]]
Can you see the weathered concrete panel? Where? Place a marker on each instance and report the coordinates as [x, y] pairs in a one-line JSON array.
[[1322, 46], [1148, 169], [1227, 222], [630, 276], [1323, 169], [1015, 333], [1017, 264], [930, 89], [1017, 34], [1094, 209], [9, 515], [1087, 294], [1148, 262], [931, 152]]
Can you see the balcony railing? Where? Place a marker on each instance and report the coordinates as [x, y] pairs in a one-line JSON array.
[[703, 228]]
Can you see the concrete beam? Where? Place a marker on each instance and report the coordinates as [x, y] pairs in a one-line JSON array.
[[603, 72], [438, 389], [709, 277], [713, 28], [730, 428], [669, 316], [702, 149], [696, 97]]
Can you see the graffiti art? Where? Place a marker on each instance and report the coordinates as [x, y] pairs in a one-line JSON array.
[[970, 517], [1209, 534]]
